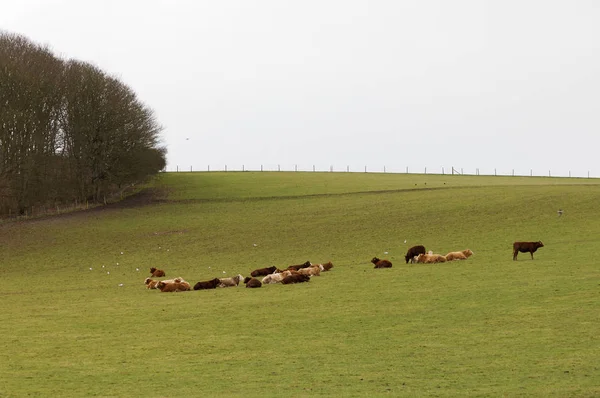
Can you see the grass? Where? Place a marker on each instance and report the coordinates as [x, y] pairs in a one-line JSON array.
[[487, 326]]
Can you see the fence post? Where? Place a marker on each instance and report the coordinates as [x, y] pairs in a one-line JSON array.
[[295, 167], [190, 169], [177, 168], [549, 173], [278, 167], [588, 174], [406, 169], [313, 168], [365, 169], [531, 172], [243, 168], [347, 169], [442, 171], [261, 167], [384, 169], [331, 168], [461, 170], [425, 170], [225, 167], [513, 172], [569, 173]]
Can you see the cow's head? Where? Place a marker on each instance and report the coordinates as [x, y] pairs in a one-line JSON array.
[[539, 244]]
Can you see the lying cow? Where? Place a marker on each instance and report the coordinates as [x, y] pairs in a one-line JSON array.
[[173, 286], [299, 266], [273, 278], [413, 252], [311, 271], [263, 271], [229, 282], [157, 273], [525, 247], [151, 283], [211, 284], [461, 255], [327, 266], [253, 283], [430, 258], [295, 278], [381, 263]]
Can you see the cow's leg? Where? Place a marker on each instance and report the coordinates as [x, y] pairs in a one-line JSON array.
[[532, 255], [515, 252]]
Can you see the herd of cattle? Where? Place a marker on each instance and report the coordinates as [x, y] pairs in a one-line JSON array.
[[303, 272]]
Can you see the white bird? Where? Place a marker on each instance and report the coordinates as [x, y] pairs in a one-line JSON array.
[[120, 284], [224, 272], [90, 268], [137, 269], [121, 252], [404, 240], [103, 266], [107, 272], [384, 252]]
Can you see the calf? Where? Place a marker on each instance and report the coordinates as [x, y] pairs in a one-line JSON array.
[[211, 284], [228, 282], [381, 263], [263, 271], [327, 266], [157, 273], [253, 283], [295, 278], [414, 251], [525, 247]]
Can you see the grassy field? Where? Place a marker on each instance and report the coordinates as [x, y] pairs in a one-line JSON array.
[[78, 320]]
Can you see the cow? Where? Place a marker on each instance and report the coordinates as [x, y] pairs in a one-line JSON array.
[[253, 283], [211, 284], [381, 263], [263, 271], [274, 278], [525, 247], [414, 251], [173, 287], [299, 266], [430, 258], [157, 273], [327, 266], [151, 283], [295, 278], [229, 282], [311, 271], [461, 255]]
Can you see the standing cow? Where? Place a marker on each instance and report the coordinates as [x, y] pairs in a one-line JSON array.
[[414, 251], [525, 247]]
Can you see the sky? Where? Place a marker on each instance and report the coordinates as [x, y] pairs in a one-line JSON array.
[[388, 85]]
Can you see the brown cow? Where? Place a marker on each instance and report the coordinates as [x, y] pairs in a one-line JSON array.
[[211, 284], [381, 263], [525, 247], [413, 252], [295, 278], [264, 271], [327, 266], [157, 273], [173, 286], [253, 283]]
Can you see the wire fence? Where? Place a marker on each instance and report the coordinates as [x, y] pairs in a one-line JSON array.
[[383, 169]]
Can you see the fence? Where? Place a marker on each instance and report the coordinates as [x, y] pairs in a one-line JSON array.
[[383, 169]]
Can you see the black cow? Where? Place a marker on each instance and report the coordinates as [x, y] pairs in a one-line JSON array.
[[297, 267], [211, 284], [525, 247], [414, 251], [263, 271]]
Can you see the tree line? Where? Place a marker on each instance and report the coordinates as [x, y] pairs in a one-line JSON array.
[[68, 131]]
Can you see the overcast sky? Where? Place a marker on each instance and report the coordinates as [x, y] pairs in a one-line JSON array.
[[471, 84]]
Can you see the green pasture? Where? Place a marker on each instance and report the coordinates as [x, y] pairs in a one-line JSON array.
[[77, 319]]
